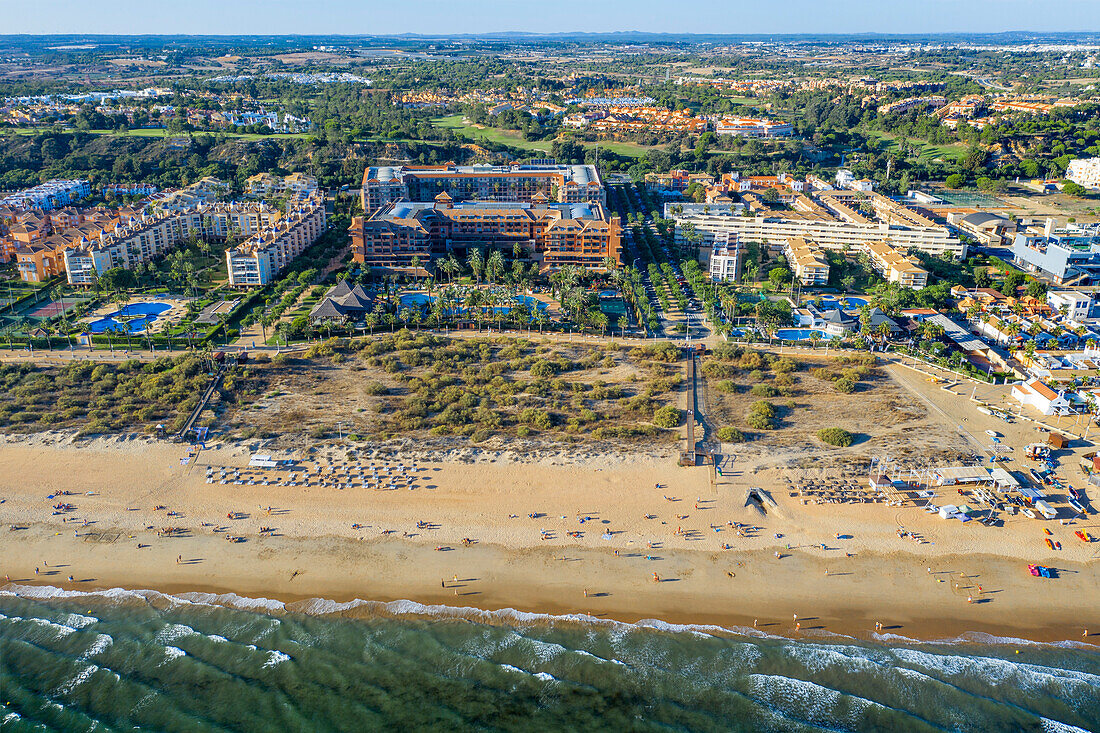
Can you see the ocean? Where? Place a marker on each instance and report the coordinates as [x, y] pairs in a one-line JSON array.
[[125, 660]]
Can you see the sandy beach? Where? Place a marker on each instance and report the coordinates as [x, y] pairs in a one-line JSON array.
[[842, 568]]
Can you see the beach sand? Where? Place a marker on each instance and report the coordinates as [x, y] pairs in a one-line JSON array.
[[874, 575]]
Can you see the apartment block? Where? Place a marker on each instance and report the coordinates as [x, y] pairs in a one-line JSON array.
[[128, 245], [676, 180], [514, 183], [808, 263], [552, 234], [725, 259], [911, 103], [752, 127], [1084, 172], [1068, 256], [895, 266], [774, 229], [266, 185], [259, 260], [49, 195]]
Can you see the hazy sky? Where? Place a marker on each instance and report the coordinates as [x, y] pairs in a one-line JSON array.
[[473, 16]]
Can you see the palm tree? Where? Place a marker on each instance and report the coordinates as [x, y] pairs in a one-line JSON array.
[[494, 265], [371, 319], [476, 263], [454, 267]]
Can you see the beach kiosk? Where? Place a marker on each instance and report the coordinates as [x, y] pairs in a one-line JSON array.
[[1045, 509], [880, 483]]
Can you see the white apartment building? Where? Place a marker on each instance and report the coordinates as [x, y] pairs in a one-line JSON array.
[[138, 241], [896, 267], [1084, 172], [808, 263], [1077, 305], [725, 259], [264, 255], [267, 185], [52, 194], [152, 235], [775, 230], [752, 127]]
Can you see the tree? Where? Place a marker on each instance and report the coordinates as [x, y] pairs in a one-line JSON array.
[[1013, 279], [118, 278], [1037, 289], [494, 265], [476, 263], [779, 277], [1074, 189], [955, 180]]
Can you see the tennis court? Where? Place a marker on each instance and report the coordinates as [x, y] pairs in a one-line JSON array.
[[974, 199]]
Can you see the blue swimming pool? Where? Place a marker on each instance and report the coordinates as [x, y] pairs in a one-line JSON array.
[[133, 318], [799, 334], [419, 300], [848, 302]]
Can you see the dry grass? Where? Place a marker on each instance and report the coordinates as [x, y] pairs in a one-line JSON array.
[[422, 386]]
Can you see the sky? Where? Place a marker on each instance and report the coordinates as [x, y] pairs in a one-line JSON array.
[[354, 17]]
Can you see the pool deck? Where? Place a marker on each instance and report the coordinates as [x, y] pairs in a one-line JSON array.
[[173, 316]]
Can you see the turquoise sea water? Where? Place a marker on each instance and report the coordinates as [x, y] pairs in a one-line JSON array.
[[120, 660]]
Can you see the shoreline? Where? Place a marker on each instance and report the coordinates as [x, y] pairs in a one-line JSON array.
[[495, 592], [522, 517]]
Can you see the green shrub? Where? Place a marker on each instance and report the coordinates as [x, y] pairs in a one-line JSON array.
[[718, 370], [667, 417], [727, 385], [543, 369], [835, 436], [730, 435], [763, 390], [845, 385], [784, 365], [761, 416]]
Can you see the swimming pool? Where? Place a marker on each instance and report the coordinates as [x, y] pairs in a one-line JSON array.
[[851, 302], [799, 334], [133, 318], [419, 300]]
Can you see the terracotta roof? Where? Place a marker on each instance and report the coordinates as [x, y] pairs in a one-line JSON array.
[[1041, 389]]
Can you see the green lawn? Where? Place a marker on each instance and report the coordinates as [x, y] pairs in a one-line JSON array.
[[928, 152], [514, 139], [511, 138]]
